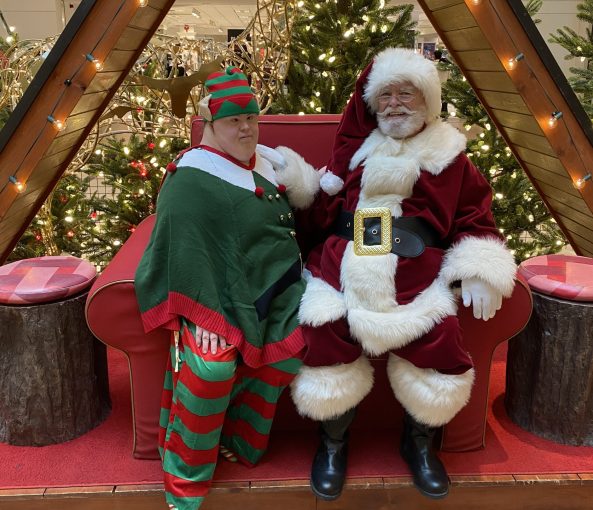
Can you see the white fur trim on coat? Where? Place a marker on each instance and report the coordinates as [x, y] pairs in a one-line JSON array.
[[322, 393], [299, 177], [433, 149], [430, 397], [486, 258], [321, 303], [381, 332], [396, 65]]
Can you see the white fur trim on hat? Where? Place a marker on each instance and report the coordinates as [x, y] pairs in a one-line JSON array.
[[299, 177], [322, 393], [395, 65], [430, 397]]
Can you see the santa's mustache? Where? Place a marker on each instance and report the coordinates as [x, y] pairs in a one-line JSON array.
[[399, 109]]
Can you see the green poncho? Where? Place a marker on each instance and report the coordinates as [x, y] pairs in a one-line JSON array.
[[223, 254]]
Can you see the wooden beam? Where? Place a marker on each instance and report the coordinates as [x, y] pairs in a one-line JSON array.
[[30, 147]]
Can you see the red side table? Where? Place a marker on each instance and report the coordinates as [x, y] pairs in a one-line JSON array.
[[54, 384], [550, 364]]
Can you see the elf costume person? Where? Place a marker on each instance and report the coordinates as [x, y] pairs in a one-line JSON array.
[[412, 219], [222, 271]]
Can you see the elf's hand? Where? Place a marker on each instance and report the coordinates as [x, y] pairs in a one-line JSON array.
[[208, 340]]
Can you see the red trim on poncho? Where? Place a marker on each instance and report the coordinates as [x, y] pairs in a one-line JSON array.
[[167, 313]]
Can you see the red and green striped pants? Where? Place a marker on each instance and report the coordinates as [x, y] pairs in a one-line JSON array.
[[213, 400]]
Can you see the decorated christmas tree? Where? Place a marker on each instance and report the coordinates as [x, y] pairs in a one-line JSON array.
[[332, 42], [63, 225], [519, 212], [132, 169], [580, 47]]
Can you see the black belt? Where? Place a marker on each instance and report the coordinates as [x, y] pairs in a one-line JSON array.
[[292, 275], [409, 235]]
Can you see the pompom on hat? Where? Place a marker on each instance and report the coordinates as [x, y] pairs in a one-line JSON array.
[[229, 94], [396, 65]]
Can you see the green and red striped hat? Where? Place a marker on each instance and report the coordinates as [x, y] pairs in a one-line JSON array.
[[230, 94]]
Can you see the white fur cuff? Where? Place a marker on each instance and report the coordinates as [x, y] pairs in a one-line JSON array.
[[430, 397], [322, 393], [486, 258], [321, 303], [299, 177]]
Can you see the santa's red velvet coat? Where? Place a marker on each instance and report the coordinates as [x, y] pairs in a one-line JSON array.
[[370, 305]]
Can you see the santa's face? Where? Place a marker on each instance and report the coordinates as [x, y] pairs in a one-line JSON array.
[[401, 110]]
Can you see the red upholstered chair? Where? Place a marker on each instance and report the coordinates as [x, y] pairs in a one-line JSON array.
[[113, 316]]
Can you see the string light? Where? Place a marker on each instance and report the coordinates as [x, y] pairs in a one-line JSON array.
[[580, 183], [19, 186], [96, 62], [60, 125], [512, 62], [553, 120]]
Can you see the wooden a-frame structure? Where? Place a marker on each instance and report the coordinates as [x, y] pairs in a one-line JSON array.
[[481, 35]]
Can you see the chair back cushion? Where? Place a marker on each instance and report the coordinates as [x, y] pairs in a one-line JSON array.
[[312, 136]]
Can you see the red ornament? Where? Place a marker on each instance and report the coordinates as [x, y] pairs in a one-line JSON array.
[[171, 168], [70, 233], [259, 191], [38, 237], [151, 146], [143, 171], [281, 188], [93, 215], [134, 164], [139, 109]]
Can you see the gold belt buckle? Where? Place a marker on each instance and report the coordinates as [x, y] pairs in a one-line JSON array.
[[372, 212]]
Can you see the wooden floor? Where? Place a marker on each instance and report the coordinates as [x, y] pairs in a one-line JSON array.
[[507, 492]]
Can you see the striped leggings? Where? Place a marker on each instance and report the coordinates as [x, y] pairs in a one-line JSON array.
[[211, 400]]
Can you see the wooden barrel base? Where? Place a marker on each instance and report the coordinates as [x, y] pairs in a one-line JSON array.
[[550, 372], [53, 383]]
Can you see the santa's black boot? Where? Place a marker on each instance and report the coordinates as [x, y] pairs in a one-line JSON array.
[[328, 471], [430, 477]]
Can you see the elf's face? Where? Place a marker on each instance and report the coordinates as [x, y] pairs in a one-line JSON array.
[[237, 135]]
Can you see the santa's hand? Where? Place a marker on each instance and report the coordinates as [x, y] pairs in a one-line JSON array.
[[485, 298]]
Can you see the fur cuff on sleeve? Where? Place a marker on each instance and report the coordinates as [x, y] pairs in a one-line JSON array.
[[486, 258], [299, 177]]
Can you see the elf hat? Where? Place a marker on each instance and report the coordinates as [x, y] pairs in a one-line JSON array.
[[229, 94], [396, 65]]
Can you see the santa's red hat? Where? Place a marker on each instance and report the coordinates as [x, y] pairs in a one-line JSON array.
[[396, 65], [392, 65]]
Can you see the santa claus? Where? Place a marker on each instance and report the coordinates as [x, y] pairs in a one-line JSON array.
[[404, 217]]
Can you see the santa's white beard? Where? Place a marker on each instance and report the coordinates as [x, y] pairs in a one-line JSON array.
[[402, 126]]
